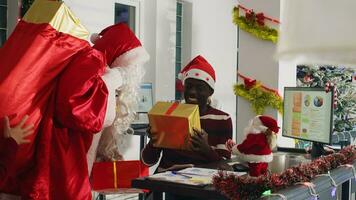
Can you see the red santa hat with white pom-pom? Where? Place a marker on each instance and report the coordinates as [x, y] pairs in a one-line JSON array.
[[121, 46], [199, 69]]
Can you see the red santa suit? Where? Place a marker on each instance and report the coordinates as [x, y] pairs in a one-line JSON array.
[[256, 147], [31, 59], [68, 93], [8, 148], [81, 108]]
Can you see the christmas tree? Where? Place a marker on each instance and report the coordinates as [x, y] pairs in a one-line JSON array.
[[342, 79]]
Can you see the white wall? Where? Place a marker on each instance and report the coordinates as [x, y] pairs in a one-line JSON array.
[[165, 39], [256, 61], [214, 36]]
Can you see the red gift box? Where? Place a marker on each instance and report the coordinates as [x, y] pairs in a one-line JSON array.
[[111, 176]]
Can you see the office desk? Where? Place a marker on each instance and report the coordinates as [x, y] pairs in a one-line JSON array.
[[281, 161], [206, 192], [157, 187]]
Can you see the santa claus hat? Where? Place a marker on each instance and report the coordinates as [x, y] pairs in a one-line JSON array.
[[261, 123], [269, 122], [199, 69], [121, 46]]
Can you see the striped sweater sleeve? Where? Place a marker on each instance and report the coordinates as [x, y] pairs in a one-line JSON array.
[[218, 125]]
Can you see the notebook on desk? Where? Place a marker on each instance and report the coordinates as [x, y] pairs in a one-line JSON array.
[[191, 176]]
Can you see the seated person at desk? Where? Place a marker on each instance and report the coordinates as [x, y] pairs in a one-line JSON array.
[[208, 145]]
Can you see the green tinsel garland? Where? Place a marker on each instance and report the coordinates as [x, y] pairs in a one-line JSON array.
[[252, 27], [259, 98]]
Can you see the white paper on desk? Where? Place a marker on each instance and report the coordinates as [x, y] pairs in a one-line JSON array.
[[199, 176]]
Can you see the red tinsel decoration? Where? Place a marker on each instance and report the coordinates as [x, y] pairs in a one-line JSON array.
[[246, 187]]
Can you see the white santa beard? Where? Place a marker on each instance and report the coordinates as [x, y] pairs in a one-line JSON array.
[[125, 112], [127, 102]]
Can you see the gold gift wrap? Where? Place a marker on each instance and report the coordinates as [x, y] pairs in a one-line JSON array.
[[58, 15], [172, 124]]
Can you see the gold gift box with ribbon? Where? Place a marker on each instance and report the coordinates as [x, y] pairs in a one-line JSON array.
[[58, 15], [172, 124]]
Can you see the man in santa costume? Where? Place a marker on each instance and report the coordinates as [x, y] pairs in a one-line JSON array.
[[77, 116], [257, 144], [113, 139], [79, 103]]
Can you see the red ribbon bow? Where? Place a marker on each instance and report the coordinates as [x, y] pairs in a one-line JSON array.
[[249, 83], [260, 18], [250, 15]]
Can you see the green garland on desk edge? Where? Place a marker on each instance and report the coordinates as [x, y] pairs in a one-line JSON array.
[[246, 187], [259, 97], [251, 26]]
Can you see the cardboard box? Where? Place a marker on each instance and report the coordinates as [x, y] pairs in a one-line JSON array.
[[116, 176], [173, 123]]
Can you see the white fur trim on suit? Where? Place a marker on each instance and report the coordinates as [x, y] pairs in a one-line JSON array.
[[201, 75], [94, 37], [91, 154], [135, 56], [252, 158], [112, 79]]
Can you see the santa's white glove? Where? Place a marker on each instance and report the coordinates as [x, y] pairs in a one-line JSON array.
[[113, 80]]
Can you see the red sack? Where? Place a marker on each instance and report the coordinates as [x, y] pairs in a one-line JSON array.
[[116, 175]]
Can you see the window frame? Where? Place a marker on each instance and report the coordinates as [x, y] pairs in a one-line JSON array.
[[4, 29], [179, 62], [137, 5]]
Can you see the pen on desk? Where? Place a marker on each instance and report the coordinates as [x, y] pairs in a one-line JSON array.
[[181, 174], [189, 173]]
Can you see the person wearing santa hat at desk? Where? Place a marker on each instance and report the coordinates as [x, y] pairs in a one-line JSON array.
[[208, 145], [257, 144]]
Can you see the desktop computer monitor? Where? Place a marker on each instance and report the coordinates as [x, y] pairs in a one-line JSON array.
[[308, 115], [145, 103]]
